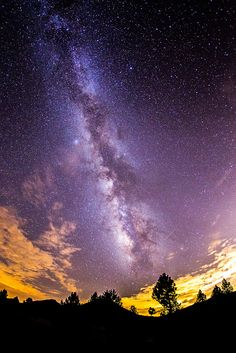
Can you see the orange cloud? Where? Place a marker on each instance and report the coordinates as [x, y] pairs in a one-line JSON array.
[[222, 264], [27, 266]]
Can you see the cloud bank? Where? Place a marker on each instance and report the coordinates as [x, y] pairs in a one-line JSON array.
[[35, 268]]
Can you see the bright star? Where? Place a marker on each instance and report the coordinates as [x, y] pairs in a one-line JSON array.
[[76, 142]]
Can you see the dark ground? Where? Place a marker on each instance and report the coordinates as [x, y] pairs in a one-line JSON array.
[[48, 326]]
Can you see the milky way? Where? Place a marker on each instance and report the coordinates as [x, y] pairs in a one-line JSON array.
[[117, 142]]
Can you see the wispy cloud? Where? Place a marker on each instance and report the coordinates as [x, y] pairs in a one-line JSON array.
[[56, 242], [222, 264], [37, 269], [36, 187]]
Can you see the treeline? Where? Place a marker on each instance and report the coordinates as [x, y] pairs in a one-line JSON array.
[[164, 292], [109, 295]]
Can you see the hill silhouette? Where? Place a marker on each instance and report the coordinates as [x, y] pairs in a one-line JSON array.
[[108, 325]]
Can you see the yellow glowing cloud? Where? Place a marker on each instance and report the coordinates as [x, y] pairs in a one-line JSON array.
[[222, 264], [25, 263]]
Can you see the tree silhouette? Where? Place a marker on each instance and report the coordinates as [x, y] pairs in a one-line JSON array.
[[111, 296], [201, 297], [94, 297], [151, 311], [133, 309], [72, 299], [226, 287], [217, 292], [165, 293], [3, 296]]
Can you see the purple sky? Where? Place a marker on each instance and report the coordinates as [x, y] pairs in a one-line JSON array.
[[118, 142]]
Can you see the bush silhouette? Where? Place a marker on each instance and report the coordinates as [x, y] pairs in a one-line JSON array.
[[28, 301], [14, 300], [151, 311], [133, 309]]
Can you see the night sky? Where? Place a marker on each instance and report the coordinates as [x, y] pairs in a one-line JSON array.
[[117, 145]]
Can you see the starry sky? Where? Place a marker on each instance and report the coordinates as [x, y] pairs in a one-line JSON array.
[[117, 146]]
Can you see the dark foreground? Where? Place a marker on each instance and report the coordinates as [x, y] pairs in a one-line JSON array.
[[50, 326]]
